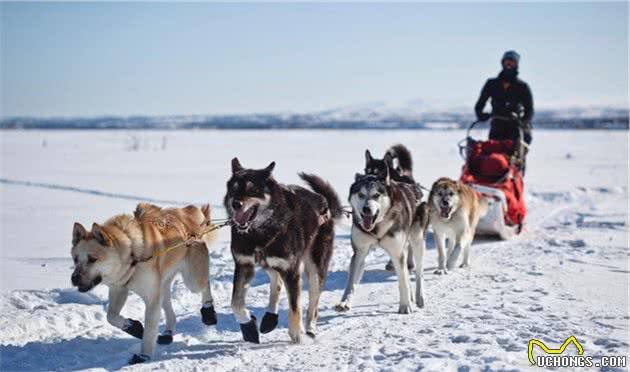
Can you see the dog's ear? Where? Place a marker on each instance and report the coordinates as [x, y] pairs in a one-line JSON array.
[[139, 211], [357, 176], [205, 209], [143, 208], [270, 168], [388, 179], [78, 233], [236, 165], [368, 157], [433, 190], [100, 235]]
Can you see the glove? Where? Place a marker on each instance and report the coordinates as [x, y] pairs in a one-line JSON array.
[[483, 116]]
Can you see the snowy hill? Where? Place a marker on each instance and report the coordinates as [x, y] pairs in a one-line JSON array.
[[371, 116]]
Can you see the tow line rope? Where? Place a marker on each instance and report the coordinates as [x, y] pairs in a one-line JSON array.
[[220, 223], [347, 211], [423, 188], [213, 227]]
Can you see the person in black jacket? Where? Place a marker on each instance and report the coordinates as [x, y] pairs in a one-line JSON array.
[[511, 102]]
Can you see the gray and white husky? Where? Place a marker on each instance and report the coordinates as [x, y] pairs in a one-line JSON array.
[[386, 213]]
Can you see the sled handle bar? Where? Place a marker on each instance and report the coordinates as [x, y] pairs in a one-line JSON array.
[[505, 118], [463, 144], [471, 126]]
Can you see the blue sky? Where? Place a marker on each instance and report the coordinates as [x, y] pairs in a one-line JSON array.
[[87, 59]]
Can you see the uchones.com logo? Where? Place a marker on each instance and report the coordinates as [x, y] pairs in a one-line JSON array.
[[553, 358]]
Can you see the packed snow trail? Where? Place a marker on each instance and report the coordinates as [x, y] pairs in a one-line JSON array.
[[566, 275]]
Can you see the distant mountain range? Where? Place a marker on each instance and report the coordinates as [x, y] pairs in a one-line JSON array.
[[353, 117]]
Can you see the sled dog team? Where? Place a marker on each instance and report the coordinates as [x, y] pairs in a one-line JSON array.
[[287, 230]]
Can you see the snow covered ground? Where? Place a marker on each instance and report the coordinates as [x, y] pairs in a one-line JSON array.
[[566, 275]]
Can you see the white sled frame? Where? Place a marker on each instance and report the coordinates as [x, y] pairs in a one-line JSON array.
[[493, 223]]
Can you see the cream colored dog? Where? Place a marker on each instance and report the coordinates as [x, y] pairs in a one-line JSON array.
[[455, 212], [119, 255]]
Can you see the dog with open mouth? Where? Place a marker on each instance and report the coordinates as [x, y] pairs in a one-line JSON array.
[[285, 229], [398, 162], [455, 211], [119, 253], [387, 213]]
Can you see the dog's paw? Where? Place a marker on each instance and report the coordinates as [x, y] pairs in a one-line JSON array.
[[269, 322], [134, 328], [165, 338], [343, 307], [250, 331], [420, 301], [390, 266], [208, 315], [464, 265], [440, 272], [405, 309], [311, 330], [139, 358], [296, 336]]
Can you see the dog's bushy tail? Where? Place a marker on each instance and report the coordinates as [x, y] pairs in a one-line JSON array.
[[404, 157], [323, 188]]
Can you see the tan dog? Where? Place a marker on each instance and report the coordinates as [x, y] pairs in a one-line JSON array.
[[119, 255], [455, 212]]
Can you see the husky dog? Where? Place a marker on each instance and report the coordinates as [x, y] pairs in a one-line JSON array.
[[286, 229], [386, 213], [455, 212], [401, 172], [118, 254]]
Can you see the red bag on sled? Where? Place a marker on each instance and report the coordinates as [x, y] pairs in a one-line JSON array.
[[489, 164]]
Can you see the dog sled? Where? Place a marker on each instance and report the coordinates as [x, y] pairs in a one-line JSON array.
[[495, 168]]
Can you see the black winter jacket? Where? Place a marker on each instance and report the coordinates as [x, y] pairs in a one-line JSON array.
[[516, 98]]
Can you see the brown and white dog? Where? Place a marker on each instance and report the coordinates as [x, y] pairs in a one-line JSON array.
[[455, 212], [118, 254]]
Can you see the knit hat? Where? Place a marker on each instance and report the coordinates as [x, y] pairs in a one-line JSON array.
[[511, 54]]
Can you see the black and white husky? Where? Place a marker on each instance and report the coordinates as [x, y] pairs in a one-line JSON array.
[[387, 213], [402, 171], [286, 229]]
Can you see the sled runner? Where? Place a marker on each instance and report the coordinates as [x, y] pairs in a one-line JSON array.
[[494, 168]]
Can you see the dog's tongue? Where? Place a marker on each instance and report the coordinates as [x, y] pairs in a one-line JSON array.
[[241, 217], [367, 222], [445, 211]]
